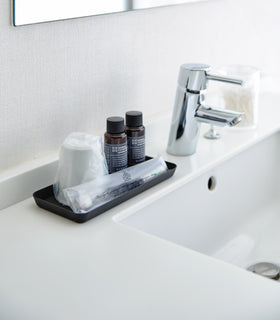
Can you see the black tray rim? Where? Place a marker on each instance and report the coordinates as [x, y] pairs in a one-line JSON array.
[[54, 206]]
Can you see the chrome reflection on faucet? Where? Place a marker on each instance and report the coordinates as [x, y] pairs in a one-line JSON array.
[[190, 109]]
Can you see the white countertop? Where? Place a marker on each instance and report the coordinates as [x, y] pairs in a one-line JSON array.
[[53, 268]]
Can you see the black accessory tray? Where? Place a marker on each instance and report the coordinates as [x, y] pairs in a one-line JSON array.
[[45, 199]]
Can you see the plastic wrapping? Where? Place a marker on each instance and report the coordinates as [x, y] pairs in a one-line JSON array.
[[90, 195], [81, 159]]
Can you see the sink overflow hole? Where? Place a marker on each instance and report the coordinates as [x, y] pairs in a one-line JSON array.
[[212, 183]]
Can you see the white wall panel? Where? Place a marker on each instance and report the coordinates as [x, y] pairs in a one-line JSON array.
[[70, 75]]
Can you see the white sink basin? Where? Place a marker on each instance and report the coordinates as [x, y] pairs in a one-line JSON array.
[[232, 212]]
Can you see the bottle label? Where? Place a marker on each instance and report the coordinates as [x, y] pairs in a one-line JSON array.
[[116, 156], [136, 149]]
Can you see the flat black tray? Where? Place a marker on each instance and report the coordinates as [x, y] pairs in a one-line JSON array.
[[45, 199]]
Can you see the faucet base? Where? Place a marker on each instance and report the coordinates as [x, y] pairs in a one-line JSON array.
[[178, 154]]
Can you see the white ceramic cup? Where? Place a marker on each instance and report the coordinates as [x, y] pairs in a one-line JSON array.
[[81, 159]]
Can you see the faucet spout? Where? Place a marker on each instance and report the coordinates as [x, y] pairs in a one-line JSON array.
[[218, 117], [190, 109]]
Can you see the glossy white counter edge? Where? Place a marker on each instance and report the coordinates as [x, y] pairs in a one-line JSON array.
[[52, 268]]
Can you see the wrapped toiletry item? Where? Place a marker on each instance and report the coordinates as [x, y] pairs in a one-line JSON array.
[[81, 159], [90, 195]]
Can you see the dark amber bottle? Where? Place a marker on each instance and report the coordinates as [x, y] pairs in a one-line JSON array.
[[115, 144], [135, 137]]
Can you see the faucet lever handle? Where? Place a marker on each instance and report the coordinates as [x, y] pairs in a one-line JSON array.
[[224, 79]]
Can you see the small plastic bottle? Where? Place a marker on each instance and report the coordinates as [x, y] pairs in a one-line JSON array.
[[115, 144], [135, 137]]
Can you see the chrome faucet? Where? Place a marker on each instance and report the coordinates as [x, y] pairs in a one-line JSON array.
[[190, 109]]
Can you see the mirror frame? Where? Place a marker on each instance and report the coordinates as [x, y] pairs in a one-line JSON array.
[[55, 10]]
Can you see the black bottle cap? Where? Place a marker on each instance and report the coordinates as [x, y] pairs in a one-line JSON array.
[[134, 118], [115, 125]]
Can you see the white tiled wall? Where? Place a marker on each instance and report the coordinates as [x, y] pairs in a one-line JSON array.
[[70, 75]]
